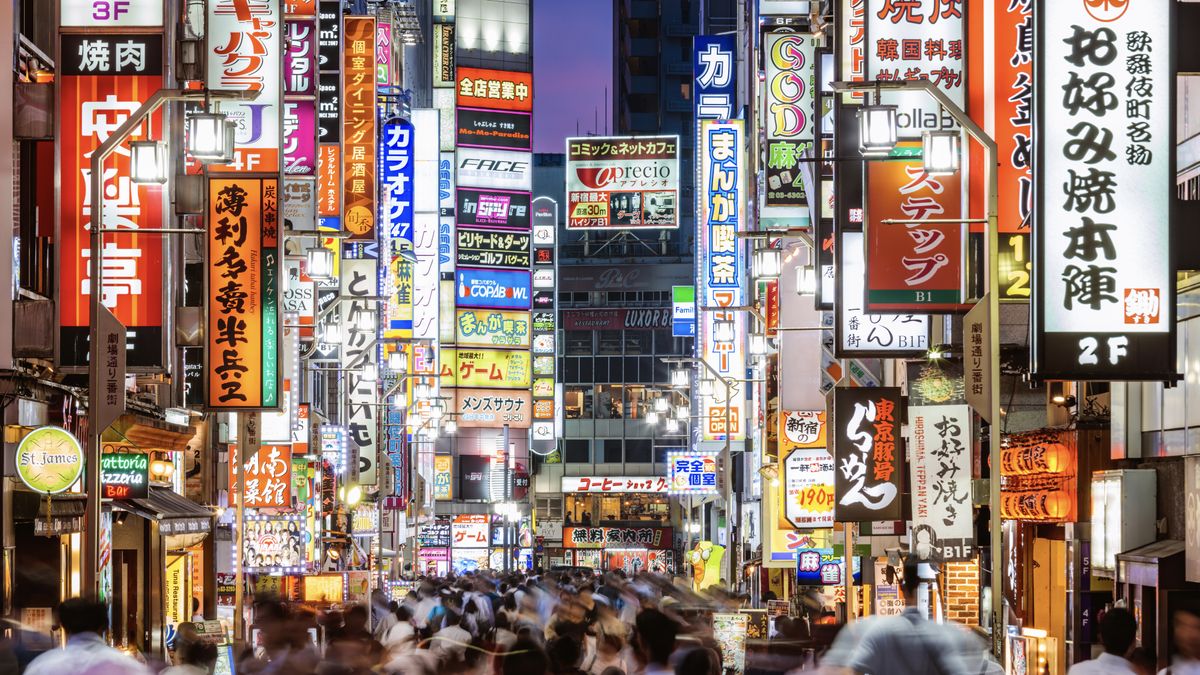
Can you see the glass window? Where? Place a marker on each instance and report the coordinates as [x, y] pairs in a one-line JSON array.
[[579, 342], [609, 405], [637, 450], [662, 372], [660, 453], [636, 402], [639, 342], [616, 371], [612, 451], [570, 370], [577, 402], [610, 342], [577, 450], [585, 370], [664, 342]]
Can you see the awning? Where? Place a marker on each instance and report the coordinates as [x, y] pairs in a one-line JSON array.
[[175, 513], [149, 433], [64, 516]]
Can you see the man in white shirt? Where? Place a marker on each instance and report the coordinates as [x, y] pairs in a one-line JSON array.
[[1186, 629], [86, 653], [1118, 631]]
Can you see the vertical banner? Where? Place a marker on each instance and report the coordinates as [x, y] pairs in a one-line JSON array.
[[245, 41], [1104, 284], [243, 294], [721, 272], [360, 280], [713, 66], [943, 525], [913, 266], [102, 79], [358, 127], [790, 109], [918, 40], [396, 219], [869, 453]]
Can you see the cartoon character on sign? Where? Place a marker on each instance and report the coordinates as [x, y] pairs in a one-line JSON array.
[[706, 564]]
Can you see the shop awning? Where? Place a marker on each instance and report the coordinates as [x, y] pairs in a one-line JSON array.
[[175, 513], [64, 515], [149, 433]]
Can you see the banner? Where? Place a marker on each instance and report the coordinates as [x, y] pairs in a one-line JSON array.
[[869, 453], [721, 272], [245, 42], [622, 183], [913, 266], [243, 294], [1104, 305], [492, 328], [102, 79], [495, 89], [943, 524], [492, 409], [492, 368], [358, 127], [268, 478]]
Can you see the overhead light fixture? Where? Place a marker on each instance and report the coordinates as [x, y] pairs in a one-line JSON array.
[[369, 372], [364, 321], [876, 130], [397, 363], [723, 330], [148, 162], [758, 345], [652, 418], [941, 152], [705, 388], [450, 426], [661, 404], [806, 280], [319, 264], [767, 263], [331, 334], [422, 392], [682, 412], [680, 377], [208, 136], [672, 426], [437, 410]]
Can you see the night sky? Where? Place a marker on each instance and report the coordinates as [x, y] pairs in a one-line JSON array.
[[572, 65]]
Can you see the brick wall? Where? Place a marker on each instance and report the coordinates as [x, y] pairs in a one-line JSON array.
[[961, 583]]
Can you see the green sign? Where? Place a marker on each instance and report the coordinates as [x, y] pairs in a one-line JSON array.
[[124, 475], [49, 460]]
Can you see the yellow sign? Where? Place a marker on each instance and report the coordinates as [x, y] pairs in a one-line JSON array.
[[324, 588], [49, 460], [443, 477], [492, 368], [801, 429], [175, 591]]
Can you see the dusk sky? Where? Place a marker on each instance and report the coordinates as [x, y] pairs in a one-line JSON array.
[[572, 65]]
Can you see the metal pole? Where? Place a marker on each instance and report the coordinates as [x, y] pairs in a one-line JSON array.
[[507, 495], [848, 579], [727, 487], [239, 549]]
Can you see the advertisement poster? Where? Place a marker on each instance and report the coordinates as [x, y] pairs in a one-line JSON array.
[[274, 544], [622, 182], [729, 630]]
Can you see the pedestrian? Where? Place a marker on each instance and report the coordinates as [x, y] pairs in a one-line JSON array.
[[85, 622], [195, 658], [1118, 631], [654, 642], [1185, 628]]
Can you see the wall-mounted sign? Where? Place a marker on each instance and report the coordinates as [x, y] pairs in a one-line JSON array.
[[714, 66], [358, 127], [492, 328], [501, 249], [275, 544], [683, 311], [443, 55], [243, 370], [1104, 308], [943, 525], [110, 13], [491, 368], [443, 481], [268, 475], [49, 460], [492, 208], [789, 115], [806, 492], [245, 43], [656, 318], [491, 408], [494, 169], [494, 129], [470, 530], [802, 429], [124, 475], [300, 60], [692, 473], [360, 279], [615, 484], [495, 89], [617, 537], [869, 451], [501, 289], [622, 183]]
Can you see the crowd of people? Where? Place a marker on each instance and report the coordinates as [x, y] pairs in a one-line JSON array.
[[573, 623]]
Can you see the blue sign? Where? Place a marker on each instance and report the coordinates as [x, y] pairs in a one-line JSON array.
[[820, 567], [713, 65], [396, 173], [487, 289]]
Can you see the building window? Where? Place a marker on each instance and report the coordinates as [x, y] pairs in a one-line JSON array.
[[610, 342], [579, 342], [612, 451], [549, 508], [609, 405], [637, 450], [639, 342], [577, 402], [577, 451]]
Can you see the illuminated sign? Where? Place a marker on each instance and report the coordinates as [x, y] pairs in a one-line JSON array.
[[615, 484], [863, 334], [943, 524], [124, 475], [443, 482], [495, 169], [358, 127], [492, 328], [713, 66], [495, 89], [493, 208], [692, 473], [491, 409], [495, 368], [869, 452], [109, 13], [500, 289], [500, 249], [245, 42], [493, 129], [623, 183]]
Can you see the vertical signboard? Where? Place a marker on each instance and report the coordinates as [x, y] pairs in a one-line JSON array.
[[358, 127], [721, 271], [1012, 99], [243, 294], [869, 453], [544, 329], [396, 219], [102, 79], [1104, 284], [806, 490], [913, 266], [863, 334], [918, 40], [359, 280], [789, 113], [942, 513], [245, 42], [713, 66]]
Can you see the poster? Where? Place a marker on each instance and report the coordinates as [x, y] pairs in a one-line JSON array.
[[729, 630], [274, 544]]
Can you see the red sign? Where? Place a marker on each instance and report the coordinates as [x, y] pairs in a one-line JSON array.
[[97, 93], [913, 265], [495, 89], [268, 478], [617, 537]]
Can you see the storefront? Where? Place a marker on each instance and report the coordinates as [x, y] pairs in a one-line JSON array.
[[590, 500], [433, 547], [633, 548]]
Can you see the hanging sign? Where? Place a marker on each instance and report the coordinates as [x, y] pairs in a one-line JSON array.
[[713, 67], [1104, 308], [943, 525], [245, 42], [110, 13], [268, 475], [859, 333], [124, 475], [789, 111], [358, 127], [243, 294], [443, 480], [49, 460], [869, 453]]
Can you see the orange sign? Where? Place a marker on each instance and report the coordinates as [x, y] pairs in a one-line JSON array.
[[1038, 479], [243, 304], [913, 265], [495, 89], [329, 180], [268, 478], [358, 127]]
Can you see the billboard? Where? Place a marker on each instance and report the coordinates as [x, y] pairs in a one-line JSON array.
[[492, 328], [869, 452], [491, 408], [488, 368], [1104, 285], [498, 249], [102, 79], [358, 127], [622, 182], [494, 129], [492, 289], [492, 208], [494, 89], [494, 169], [243, 369]]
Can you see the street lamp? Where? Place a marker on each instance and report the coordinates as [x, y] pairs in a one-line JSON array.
[[331, 333], [941, 152], [682, 412], [422, 392], [672, 426], [767, 263], [320, 264], [876, 130], [705, 388], [451, 427], [661, 404], [209, 138], [806, 280], [652, 418], [437, 410], [369, 372], [758, 345], [364, 321], [149, 162], [723, 330], [680, 377], [396, 362]]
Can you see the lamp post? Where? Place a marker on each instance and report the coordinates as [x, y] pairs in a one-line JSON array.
[[992, 298], [146, 154]]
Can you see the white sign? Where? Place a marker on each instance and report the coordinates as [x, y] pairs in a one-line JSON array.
[[940, 454], [866, 333], [782, 7], [919, 40], [808, 488], [110, 13], [245, 44], [496, 169], [625, 182], [615, 484], [1104, 192], [360, 278]]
